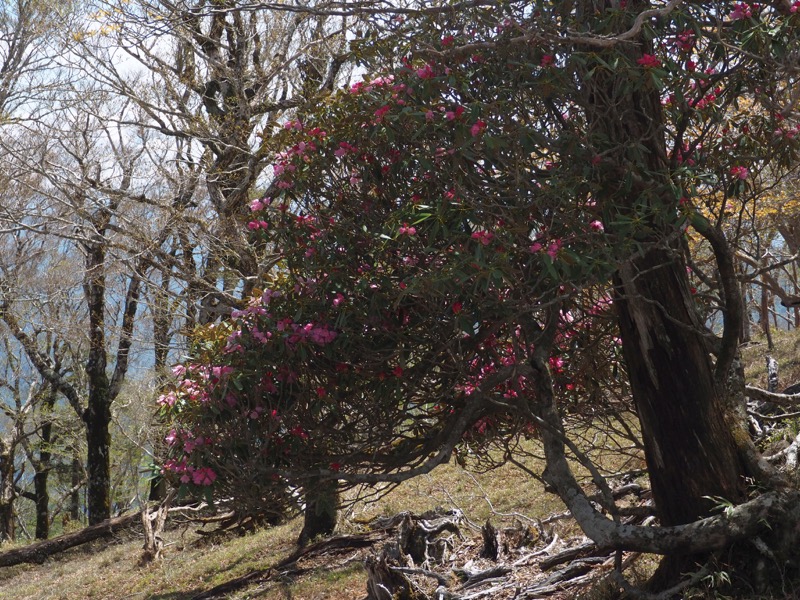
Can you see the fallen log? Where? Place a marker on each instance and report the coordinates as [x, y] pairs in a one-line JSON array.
[[39, 552]]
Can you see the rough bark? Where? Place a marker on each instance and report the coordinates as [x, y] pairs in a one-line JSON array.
[[42, 465], [691, 452], [40, 488], [153, 524], [7, 496], [384, 583], [103, 389], [321, 512]]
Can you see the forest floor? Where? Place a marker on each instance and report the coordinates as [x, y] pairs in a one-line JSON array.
[[193, 564], [531, 528]]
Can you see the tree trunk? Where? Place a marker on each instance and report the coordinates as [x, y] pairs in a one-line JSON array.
[[97, 415], [98, 463], [7, 497], [42, 466], [693, 454], [691, 451], [40, 486], [75, 496], [322, 505]]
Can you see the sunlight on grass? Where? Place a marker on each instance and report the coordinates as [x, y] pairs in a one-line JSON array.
[[191, 563]]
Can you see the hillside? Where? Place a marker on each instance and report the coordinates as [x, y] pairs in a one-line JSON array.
[[528, 519]]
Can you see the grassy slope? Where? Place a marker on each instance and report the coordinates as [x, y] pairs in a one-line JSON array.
[[190, 565]]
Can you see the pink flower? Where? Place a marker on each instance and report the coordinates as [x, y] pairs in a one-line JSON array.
[[379, 114], [338, 299], [449, 115], [685, 40], [547, 60], [203, 476], [553, 248], [429, 115], [448, 40], [741, 10], [536, 247], [477, 128], [596, 226], [740, 173], [425, 72], [648, 61], [484, 237], [168, 399], [260, 336], [344, 148], [406, 230]]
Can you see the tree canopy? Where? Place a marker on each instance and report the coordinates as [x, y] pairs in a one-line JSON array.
[[492, 229], [387, 236]]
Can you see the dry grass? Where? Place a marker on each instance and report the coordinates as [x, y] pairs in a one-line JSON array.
[[786, 352], [108, 571], [111, 573]]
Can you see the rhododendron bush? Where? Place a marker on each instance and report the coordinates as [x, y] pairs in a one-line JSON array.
[[421, 234], [487, 233]]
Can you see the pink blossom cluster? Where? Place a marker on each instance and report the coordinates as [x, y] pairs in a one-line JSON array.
[[255, 307], [597, 226], [189, 474], [707, 100], [345, 148], [426, 71], [648, 61], [406, 229], [552, 248], [320, 335], [740, 172], [285, 165], [192, 391], [477, 128], [482, 236], [788, 133], [167, 400], [685, 41], [685, 155], [743, 10], [255, 225], [365, 87]]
